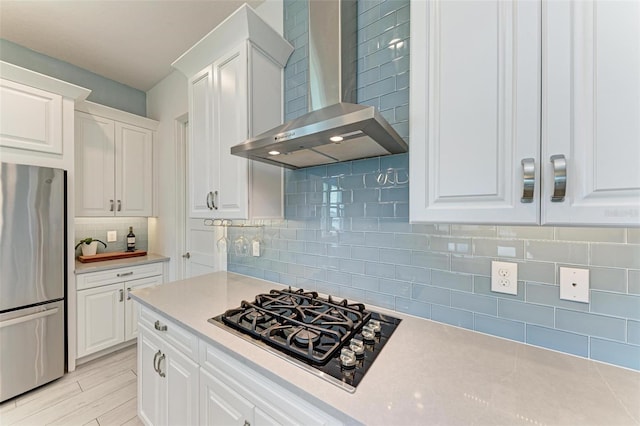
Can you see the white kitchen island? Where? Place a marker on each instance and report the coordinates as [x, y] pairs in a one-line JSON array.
[[428, 372]]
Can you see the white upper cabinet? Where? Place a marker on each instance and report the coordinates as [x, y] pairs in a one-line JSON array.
[[591, 111], [32, 110], [496, 94], [113, 162], [235, 92]]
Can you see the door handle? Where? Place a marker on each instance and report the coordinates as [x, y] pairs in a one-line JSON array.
[[119, 206], [160, 327], [111, 205], [187, 255], [121, 295], [215, 199], [559, 178], [528, 179], [160, 359], [210, 200], [29, 317], [155, 360]]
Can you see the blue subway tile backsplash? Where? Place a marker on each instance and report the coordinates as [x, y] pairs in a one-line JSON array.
[[346, 230]]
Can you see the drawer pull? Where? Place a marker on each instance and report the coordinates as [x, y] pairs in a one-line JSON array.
[[128, 291], [160, 327], [125, 274], [160, 367], [121, 294]]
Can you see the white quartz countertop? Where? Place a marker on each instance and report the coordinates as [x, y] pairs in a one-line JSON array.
[[428, 373], [83, 268]]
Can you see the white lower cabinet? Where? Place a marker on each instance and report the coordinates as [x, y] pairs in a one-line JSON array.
[[167, 382], [183, 380], [106, 314]]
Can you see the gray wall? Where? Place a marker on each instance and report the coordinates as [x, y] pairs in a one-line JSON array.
[[103, 90], [349, 235]]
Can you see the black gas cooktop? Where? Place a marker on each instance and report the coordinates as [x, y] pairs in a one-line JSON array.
[[332, 338]]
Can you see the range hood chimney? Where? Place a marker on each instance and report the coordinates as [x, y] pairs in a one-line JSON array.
[[337, 129]]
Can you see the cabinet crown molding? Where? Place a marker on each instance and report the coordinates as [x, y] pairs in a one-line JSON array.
[[116, 114], [243, 24], [41, 81]]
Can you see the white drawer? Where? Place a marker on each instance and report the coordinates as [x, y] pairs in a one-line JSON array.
[[169, 331], [110, 276]]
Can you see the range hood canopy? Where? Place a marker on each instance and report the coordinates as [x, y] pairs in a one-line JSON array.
[[336, 129]]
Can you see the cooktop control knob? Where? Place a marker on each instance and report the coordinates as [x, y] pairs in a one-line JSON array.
[[368, 334], [375, 326], [347, 358], [357, 346]]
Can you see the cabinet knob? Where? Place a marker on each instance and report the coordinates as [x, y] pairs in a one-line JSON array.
[[559, 178], [528, 179], [246, 423], [187, 255]]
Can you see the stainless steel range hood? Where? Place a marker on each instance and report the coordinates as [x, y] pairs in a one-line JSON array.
[[336, 129]]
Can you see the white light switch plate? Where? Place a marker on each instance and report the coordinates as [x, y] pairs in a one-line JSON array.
[[574, 284], [112, 236], [504, 277]]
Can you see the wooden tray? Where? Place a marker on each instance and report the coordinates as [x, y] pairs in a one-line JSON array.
[[111, 256]]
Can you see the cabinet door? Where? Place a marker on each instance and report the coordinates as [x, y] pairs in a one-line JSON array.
[[475, 106], [134, 170], [230, 128], [100, 318], [131, 306], [591, 111], [30, 118], [202, 159], [221, 405], [94, 165], [152, 395], [182, 383]]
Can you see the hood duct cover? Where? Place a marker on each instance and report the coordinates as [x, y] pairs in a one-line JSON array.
[[358, 131]]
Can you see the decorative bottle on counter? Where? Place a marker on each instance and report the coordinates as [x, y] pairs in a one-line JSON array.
[[131, 240]]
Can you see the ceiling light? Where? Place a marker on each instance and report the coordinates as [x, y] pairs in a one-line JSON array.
[[336, 139], [274, 152]]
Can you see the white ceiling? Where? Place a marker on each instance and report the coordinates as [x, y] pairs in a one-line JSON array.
[[133, 42]]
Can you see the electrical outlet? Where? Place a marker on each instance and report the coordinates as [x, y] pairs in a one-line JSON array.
[[112, 236], [574, 284], [504, 277]]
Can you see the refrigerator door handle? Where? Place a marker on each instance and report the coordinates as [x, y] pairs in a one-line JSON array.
[[29, 317]]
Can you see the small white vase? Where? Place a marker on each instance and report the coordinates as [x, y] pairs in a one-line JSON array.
[[89, 249]]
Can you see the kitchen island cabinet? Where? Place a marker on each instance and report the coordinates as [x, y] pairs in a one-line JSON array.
[[428, 372]]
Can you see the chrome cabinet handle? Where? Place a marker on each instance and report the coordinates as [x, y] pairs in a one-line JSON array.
[[111, 203], [208, 198], [128, 291], [187, 255], [215, 199], [119, 206], [160, 327], [159, 367], [559, 178], [528, 179], [124, 274], [121, 295], [155, 360]]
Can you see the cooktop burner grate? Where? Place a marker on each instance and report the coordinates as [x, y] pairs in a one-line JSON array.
[[336, 340], [299, 323]]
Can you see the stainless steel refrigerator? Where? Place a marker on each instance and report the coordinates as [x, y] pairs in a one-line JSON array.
[[32, 277]]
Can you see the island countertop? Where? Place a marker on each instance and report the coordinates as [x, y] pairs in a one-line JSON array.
[[428, 373]]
